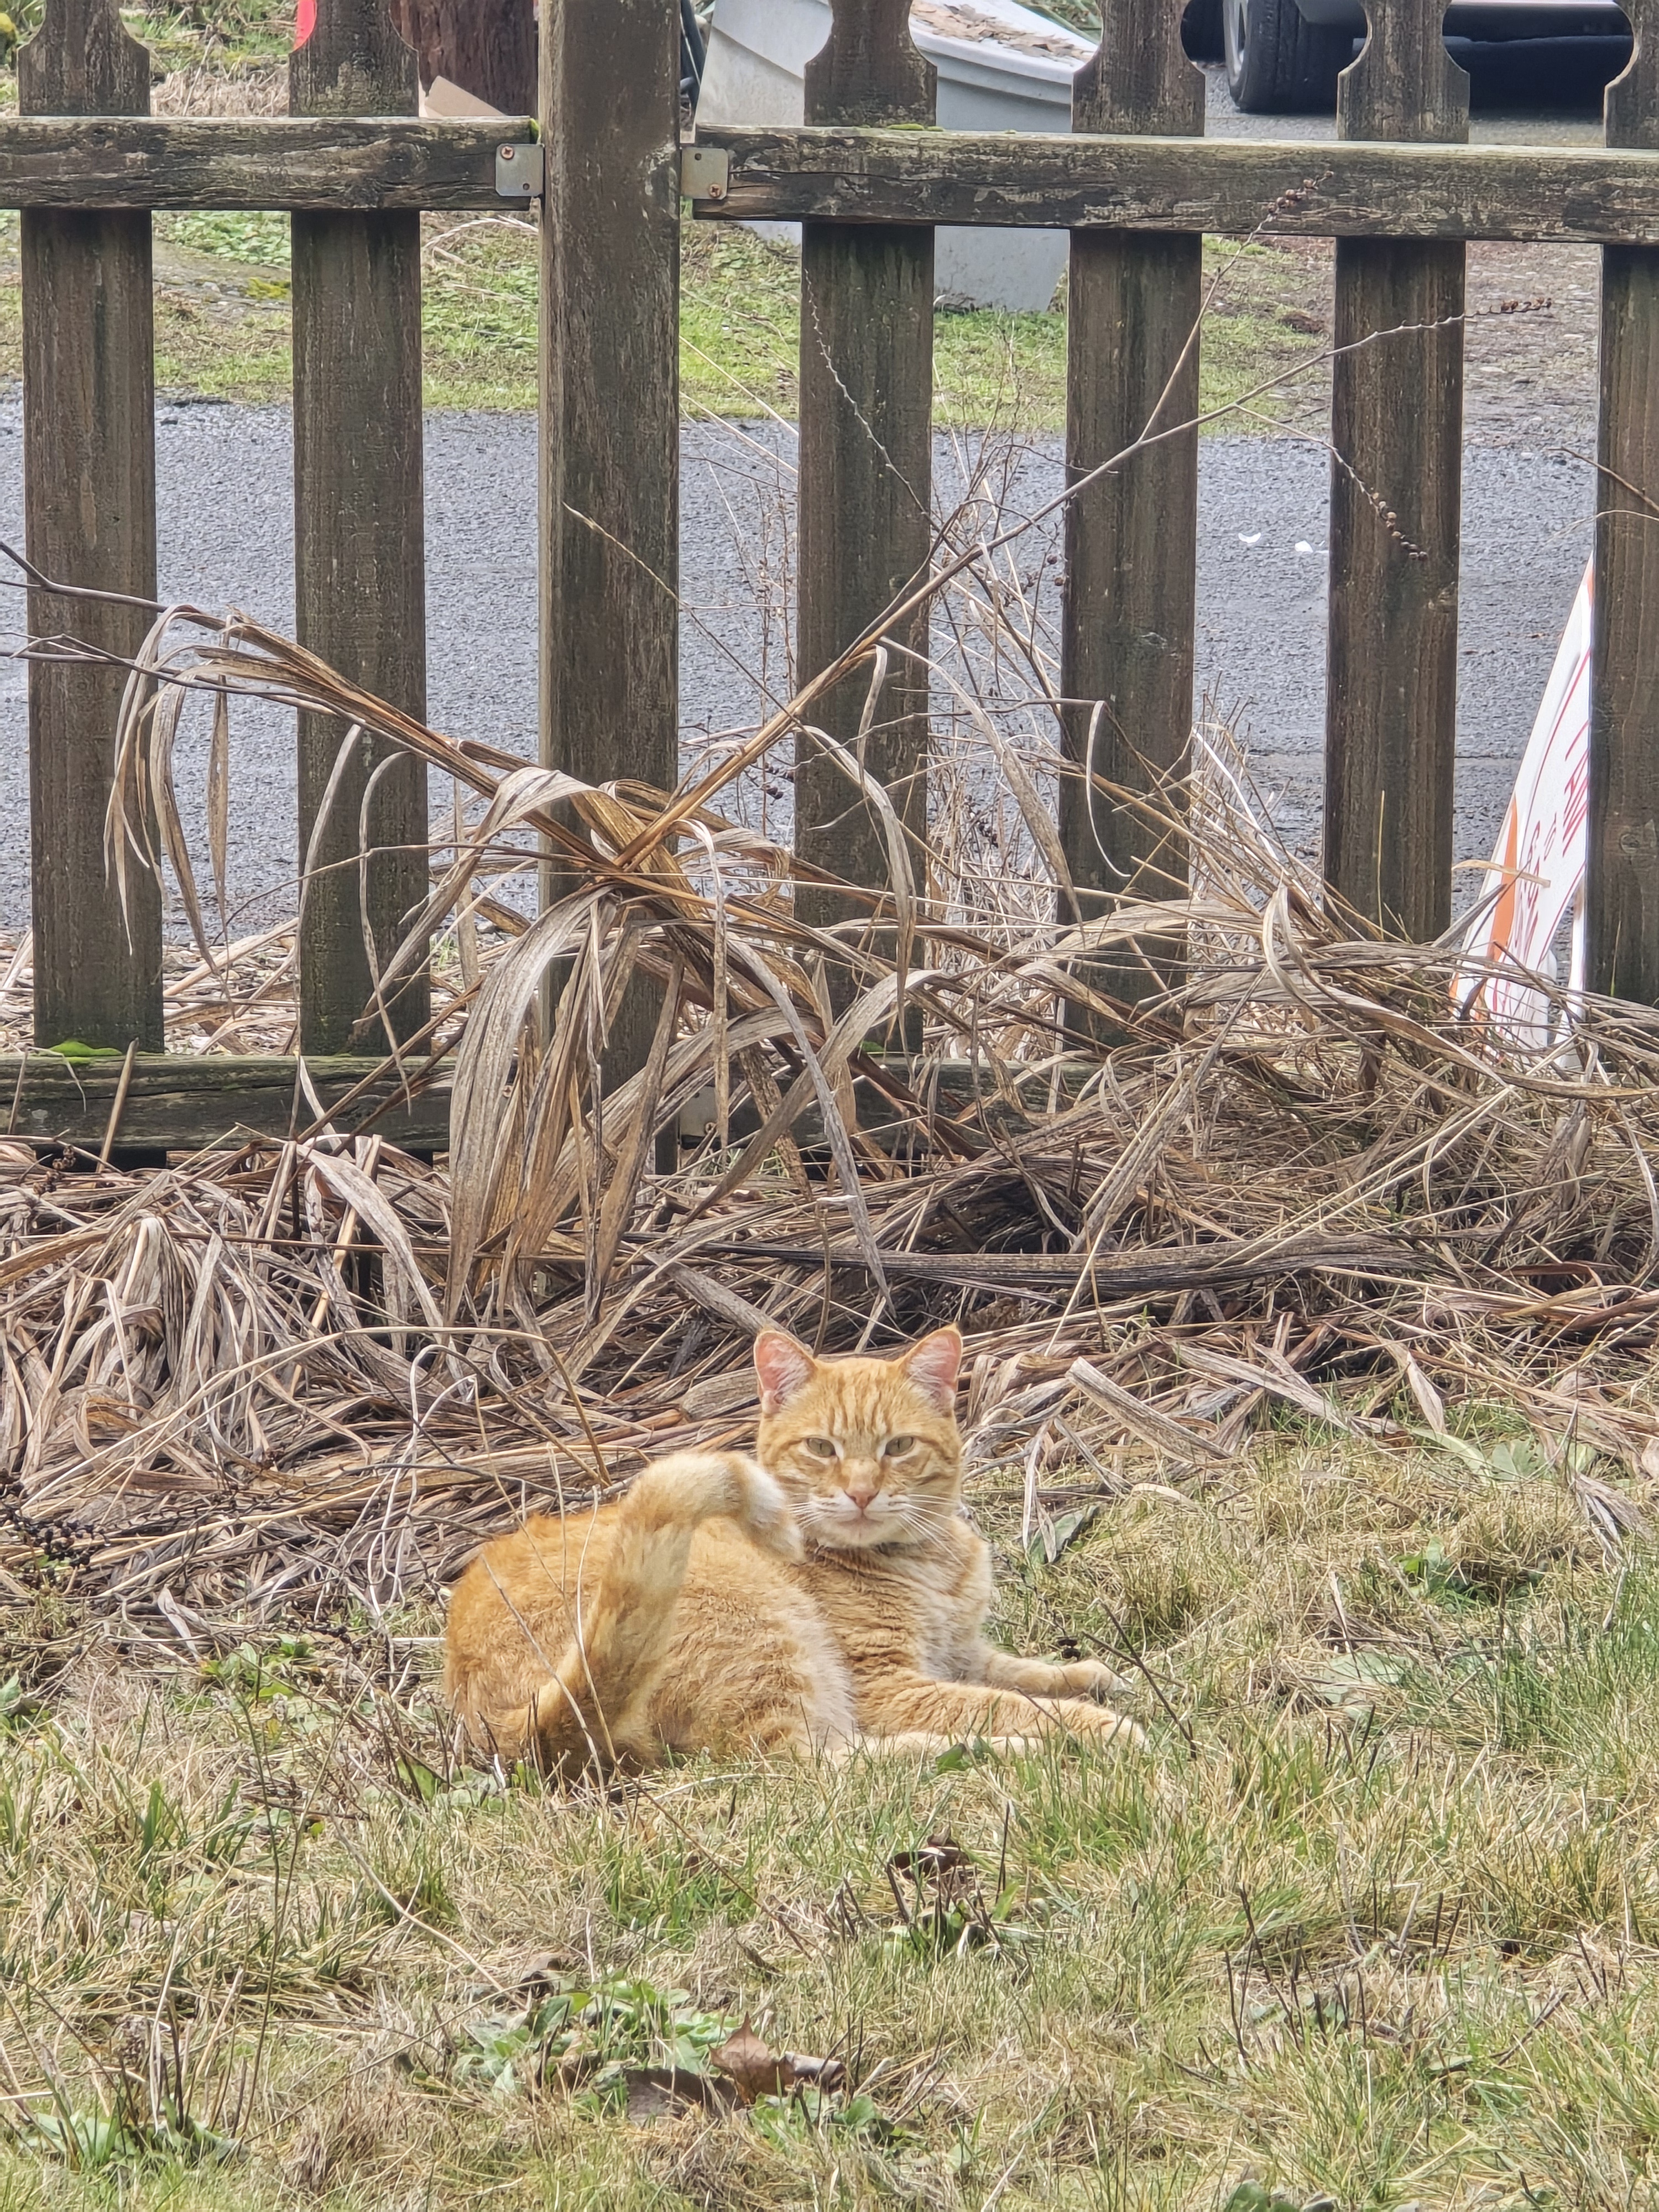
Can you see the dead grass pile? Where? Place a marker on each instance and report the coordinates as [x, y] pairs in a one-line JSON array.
[[206, 87], [1303, 1181]]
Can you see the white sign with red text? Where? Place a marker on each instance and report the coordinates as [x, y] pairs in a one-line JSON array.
[[1538, 869]]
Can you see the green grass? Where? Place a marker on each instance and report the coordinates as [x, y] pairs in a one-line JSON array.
[[740, 325], [1376, 1920], [232, 33], [222, 324], [1082, 14]]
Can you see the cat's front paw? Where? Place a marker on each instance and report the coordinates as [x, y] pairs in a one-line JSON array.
[[1090, 1678], [1087, 1723], [769, 1516]]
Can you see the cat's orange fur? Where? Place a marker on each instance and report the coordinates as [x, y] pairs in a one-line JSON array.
[[830, 1594]]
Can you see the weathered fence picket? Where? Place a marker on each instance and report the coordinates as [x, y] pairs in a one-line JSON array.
[[89, 493], [867, 469], [1622, 899], [359, 547], [610, 409], [1396, 506], [1131, 536]]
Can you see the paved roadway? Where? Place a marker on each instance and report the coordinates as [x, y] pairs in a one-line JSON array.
[[226, 536]]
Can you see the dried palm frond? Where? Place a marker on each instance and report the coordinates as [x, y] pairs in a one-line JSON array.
[[1300, 1175]]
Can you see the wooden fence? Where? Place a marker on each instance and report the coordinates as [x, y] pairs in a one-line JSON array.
[[1137, 186], [355, 167], [1400, 191]]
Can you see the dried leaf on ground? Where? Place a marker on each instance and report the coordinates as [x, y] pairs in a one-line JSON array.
[[754, 2069]]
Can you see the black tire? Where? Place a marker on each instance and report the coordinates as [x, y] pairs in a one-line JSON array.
[[1200, 31], [693, 55], [1278, 62]]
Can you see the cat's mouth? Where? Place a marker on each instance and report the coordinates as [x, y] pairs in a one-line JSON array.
[[842, 1526]]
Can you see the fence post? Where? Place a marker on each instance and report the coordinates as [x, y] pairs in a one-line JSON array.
[[866, 480], [486, 47], [610, 410], [1622, 888], [89, 493], [359, 537], [1130, 539], [1396, 497]]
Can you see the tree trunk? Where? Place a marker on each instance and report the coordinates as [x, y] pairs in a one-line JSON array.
[[488, 47]]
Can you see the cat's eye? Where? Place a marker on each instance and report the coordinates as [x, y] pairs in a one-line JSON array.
[[822, 1447], [898, 1447]]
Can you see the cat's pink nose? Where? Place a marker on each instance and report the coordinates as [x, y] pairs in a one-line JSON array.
[[861, 1494]]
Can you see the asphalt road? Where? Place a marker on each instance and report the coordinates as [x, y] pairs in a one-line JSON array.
[[1542, 92], [226, 537]]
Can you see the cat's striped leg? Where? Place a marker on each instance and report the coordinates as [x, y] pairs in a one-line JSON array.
[[1040, 1678], [909, 1703]]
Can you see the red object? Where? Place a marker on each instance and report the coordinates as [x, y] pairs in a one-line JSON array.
[[307, 22]]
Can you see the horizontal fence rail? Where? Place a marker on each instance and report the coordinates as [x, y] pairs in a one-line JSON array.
[[1547, 195], [1553, 195], [169, 1099], [272, 162], [172, 1102]]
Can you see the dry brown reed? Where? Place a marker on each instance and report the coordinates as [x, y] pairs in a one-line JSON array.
[[1302, 1179], [206, 87]]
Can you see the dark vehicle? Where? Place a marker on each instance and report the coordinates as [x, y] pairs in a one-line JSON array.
[[1284, 56]]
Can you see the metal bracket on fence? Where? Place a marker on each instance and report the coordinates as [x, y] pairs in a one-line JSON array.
[[705, 172], [521, 172]]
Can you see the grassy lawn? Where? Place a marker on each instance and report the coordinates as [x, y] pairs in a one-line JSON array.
[[1374, 1922], [221, 324]]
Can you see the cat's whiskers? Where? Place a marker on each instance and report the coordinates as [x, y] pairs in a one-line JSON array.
[[903, 1518], [925, 1519]]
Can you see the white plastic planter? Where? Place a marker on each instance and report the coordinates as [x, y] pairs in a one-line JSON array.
[[1000, 68]]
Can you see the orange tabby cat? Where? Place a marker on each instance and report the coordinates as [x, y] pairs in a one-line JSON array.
[[832, 1593]]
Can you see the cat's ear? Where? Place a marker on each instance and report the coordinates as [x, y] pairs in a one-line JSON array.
[[933, 1364], [785, 1369]]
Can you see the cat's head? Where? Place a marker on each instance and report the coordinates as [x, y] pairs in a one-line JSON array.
[[867, 1451]]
